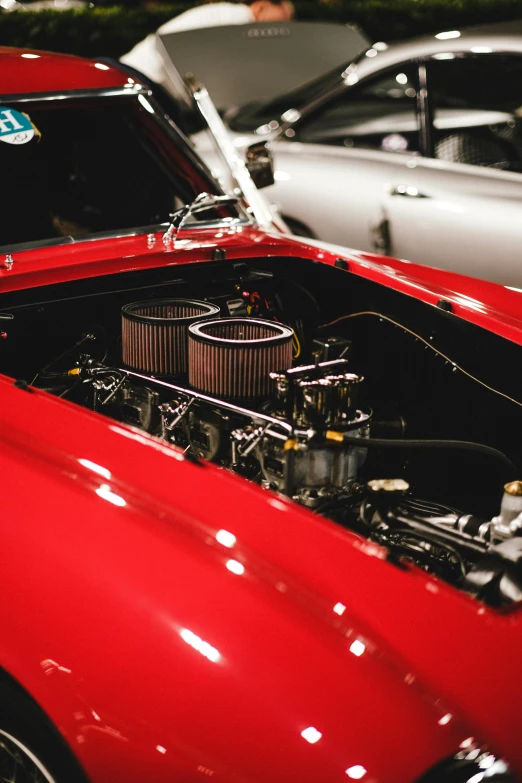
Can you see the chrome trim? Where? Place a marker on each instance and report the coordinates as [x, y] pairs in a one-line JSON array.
[[406, 192], [103, 92], [483, 531], [470, 765], [192, 393], [145, 231], [203, 201], [463, 521]]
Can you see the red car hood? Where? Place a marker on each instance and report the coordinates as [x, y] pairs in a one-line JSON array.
[[495, 307], [298, 625], [242, 640]]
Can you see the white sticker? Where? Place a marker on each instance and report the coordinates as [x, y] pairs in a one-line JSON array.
[[15, 127]]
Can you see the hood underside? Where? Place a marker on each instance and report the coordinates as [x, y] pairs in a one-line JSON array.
[[213, 54]]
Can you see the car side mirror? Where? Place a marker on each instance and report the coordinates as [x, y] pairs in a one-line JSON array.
[[260, 164]]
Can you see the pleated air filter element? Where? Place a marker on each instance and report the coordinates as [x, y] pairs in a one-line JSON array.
[[233, 357], [155, 333]]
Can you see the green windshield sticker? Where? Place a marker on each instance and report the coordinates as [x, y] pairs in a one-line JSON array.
[[15, 127]]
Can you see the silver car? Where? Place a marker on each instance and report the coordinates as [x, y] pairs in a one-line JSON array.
[[412, 149]]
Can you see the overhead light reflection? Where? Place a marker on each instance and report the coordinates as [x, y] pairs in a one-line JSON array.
[[401, 78], [101, 66], [356, 772], [202, 647], [372, 52], [161, 749], [445, 719], [481, 49], [444, 56], [447, 35], [311, 735], [30, 56], [99, 469], [226, 538], [357, 648], [339, 608], [235, 567], [105, 492], [146, 105], [380, 46]]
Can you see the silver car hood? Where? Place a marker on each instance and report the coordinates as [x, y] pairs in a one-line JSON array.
[[270, 57]]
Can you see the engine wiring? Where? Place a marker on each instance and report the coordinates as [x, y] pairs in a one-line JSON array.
[[296, 346], [425, 342]]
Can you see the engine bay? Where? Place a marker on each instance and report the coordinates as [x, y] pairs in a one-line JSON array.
[[392, 418]]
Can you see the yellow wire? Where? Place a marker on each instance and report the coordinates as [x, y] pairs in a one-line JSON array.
[[427, 344], [297, 346]]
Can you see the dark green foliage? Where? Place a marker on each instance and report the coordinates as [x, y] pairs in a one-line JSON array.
[[111, 31], [91, 32], [392, 19]]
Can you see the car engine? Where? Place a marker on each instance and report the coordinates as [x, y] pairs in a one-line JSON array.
[[248, 377], [238, 400]]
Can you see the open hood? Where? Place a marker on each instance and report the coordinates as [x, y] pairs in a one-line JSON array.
[[256, 62]]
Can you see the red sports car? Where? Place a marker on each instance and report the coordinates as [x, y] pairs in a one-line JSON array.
[[260, 516]]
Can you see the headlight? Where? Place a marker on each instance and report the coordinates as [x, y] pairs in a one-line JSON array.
[[472, 765]]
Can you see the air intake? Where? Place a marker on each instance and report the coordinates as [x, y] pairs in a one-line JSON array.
[[154, 333], [233, 357]]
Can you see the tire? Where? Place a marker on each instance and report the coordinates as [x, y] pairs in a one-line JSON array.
[[298, 229], [31, 749]]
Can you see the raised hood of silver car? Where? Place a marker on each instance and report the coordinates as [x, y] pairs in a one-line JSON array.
[[212, 55]]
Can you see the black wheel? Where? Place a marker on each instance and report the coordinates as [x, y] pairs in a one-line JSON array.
[[31, 750], [298, 229]]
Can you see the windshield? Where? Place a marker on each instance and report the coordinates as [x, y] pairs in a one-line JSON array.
[[256, 115], [78, 167]]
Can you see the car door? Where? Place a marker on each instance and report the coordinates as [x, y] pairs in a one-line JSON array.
[[332, 166], [460, 206]]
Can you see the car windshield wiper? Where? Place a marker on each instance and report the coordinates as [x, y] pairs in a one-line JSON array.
[[201, 203]]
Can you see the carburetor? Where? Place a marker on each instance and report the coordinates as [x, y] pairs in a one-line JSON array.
[[320, 402]]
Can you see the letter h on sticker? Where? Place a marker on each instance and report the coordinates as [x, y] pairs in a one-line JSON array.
[[6, 120]]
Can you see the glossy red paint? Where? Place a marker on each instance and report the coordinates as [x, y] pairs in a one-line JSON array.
[[158, 662], [32, 71]]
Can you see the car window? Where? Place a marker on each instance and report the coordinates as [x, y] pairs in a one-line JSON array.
[[257, 115], [73, 169], [477, 110], [378, 114]]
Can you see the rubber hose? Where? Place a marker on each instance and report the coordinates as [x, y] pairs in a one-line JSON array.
[[457, 445]]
